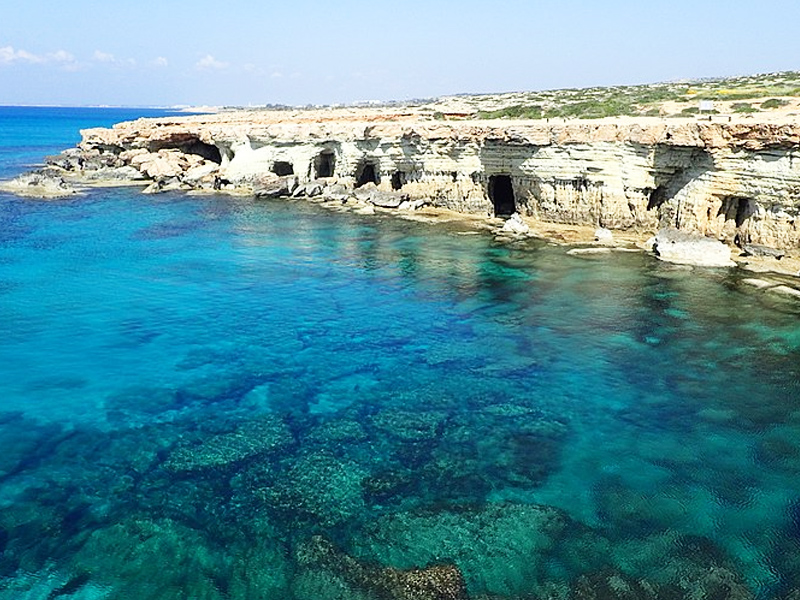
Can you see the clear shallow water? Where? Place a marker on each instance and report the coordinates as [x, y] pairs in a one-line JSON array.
[[200, 393]]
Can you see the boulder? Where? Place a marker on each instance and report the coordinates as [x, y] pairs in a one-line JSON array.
[[310, 189], [386, 199], [515, 225], [200, 172], [69, 160], [77, 160], [277, 187], [684, 248], [412, 204], [759, 250], [603, 235], [337, 192], [163, 184], [162, 167], [114, 174], [370, 193]]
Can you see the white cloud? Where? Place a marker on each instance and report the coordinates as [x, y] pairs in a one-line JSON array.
[[110, 59], [8, 55], [161, 62], [61, 56], [209, 62], [103, 57]]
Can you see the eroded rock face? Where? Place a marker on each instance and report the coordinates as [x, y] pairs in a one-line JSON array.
[[725, 180]]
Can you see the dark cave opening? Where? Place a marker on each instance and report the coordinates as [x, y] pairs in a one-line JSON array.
[[207, 151], [191, 145], [281, 168], [656, 197], [398, 180], [501, 193], [737, 209], [324, 164], [366, 174]]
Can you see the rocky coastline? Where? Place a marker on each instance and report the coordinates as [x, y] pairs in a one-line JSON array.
[[733, 184]]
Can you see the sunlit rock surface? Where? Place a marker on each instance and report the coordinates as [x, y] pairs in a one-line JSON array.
[[720, 179]]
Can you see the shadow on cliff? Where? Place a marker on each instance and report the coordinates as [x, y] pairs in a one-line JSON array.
[[675, 170]]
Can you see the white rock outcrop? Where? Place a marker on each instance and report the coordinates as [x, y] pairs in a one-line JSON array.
[[684, 248], [604, 236], [515, 225]]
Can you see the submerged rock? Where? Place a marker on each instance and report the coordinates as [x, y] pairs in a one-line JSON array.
[[433, 582], [591, 252], [51, 584], [320, 488], [409, 425], [117, 556], [612, 586], [684, 248], [501, 549], [249, 439], [785, 290]]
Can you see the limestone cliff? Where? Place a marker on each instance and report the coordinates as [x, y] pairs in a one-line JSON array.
[[720, 178]]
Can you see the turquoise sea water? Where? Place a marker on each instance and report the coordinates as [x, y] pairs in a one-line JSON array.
[[214, 397]]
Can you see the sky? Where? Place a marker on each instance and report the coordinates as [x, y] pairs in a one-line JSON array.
[[298, 52]]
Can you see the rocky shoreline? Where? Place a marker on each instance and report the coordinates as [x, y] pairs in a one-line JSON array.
[[725, 185]]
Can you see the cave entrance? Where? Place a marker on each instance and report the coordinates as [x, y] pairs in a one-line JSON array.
[[191, 145], [501, 193], [737, 210], [208, 151], [282, 168], [324, 164], [656, 197], [366, 174], [398, 180]]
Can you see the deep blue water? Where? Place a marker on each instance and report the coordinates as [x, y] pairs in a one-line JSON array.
[[200, 393], [28, 134]]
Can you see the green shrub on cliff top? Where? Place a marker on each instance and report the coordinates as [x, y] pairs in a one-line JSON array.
[[519, 111], [774, 103], [593, 109], [743, 107]]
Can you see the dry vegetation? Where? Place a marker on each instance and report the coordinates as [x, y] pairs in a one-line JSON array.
[[737, 95]]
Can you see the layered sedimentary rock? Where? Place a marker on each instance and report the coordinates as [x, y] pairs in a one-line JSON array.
[[723, 179]]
